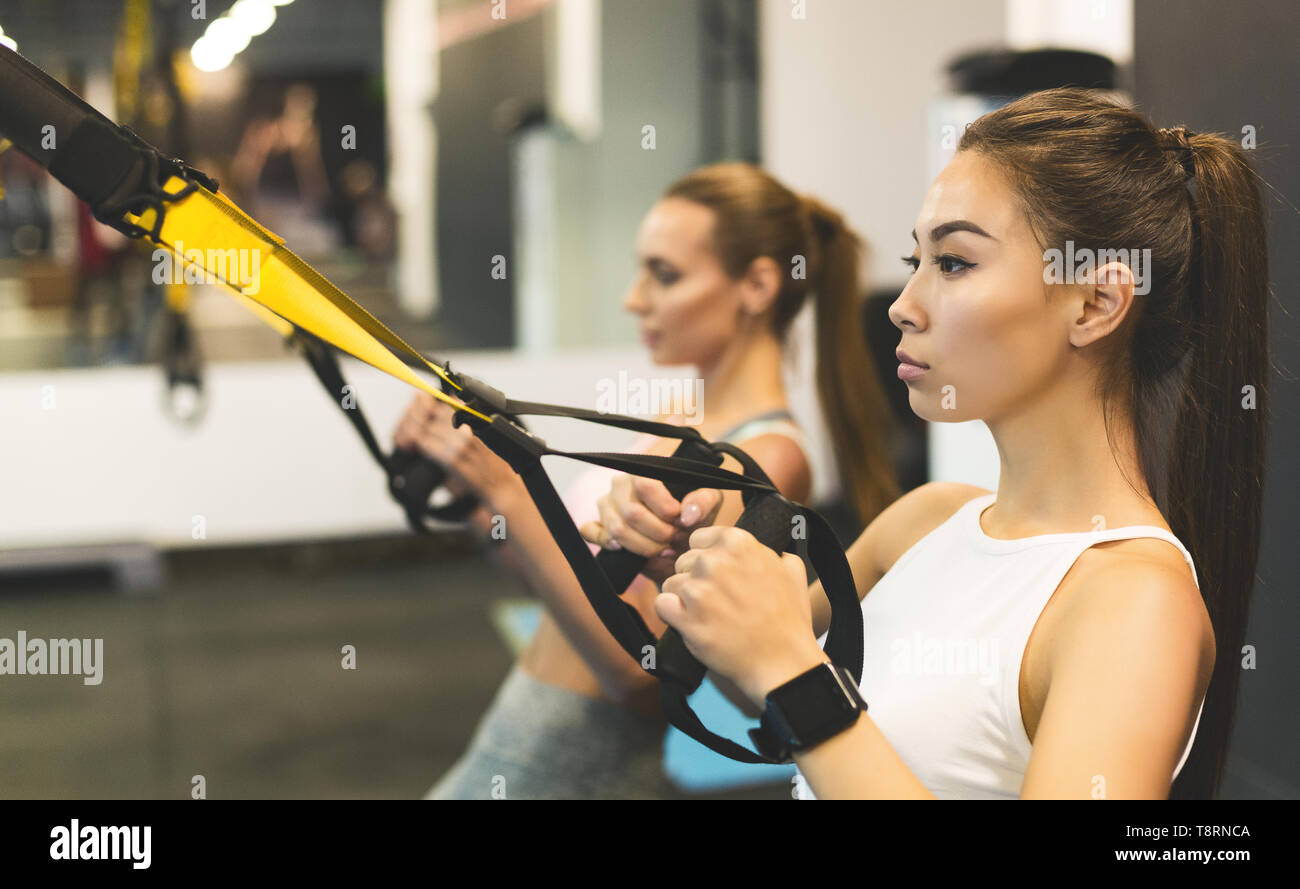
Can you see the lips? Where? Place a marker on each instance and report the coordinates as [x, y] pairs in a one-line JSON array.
[[908, 359], [909, 368]]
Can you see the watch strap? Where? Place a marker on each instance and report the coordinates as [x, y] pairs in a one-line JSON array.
[[776, 738]]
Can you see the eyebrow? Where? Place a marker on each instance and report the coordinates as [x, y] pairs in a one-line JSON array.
[[939, 232]]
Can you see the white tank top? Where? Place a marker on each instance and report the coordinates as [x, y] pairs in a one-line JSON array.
[[946, 629]]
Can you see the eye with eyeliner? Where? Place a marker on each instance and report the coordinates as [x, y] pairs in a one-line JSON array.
[[664, 274], [947, 263]]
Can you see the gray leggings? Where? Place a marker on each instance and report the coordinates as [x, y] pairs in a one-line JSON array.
[[539, 741]]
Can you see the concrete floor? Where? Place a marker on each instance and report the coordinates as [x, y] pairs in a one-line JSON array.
[[233, 672]]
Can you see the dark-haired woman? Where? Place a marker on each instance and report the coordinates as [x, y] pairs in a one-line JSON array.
[[1057, 638], [728, 257]]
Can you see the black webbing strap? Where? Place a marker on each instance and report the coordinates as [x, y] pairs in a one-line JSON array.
[[323, 362], [412, 476], [632, 424], [767, 514]]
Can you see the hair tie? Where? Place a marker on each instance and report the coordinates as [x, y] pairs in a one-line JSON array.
[[1179, 139]]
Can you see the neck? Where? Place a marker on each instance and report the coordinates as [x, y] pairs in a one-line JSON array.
[[745, 379], [1060, 474]]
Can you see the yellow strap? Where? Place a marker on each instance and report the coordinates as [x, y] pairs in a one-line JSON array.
[[213, 234], [282, 327]]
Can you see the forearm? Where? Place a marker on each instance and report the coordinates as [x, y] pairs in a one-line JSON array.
[[733, 693], [530, 551], [859, 764]]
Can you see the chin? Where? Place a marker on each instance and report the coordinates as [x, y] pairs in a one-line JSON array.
[[663, 357], [930, 408]]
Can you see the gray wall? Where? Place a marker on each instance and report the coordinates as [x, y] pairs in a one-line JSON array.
[[651, 68], [1217, 67]]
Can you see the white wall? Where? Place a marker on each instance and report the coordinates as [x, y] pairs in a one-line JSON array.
[[1102, 26], [845, 93], [272, 460], [410, 54]]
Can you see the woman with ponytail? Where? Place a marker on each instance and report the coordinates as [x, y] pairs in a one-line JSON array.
[[728, 257], [1095, 290]]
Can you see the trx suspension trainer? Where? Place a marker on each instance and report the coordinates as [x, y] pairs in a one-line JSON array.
[[132, 187]]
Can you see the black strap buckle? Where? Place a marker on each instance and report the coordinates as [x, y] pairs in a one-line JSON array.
[[768, 741], [144, 190]]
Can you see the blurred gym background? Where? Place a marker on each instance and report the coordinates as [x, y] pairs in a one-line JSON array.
[[175, 482]]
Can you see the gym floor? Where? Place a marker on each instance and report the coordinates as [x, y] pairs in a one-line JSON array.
[[232, 671]]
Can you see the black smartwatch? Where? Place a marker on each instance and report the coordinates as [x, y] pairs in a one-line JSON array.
[[809, 709]]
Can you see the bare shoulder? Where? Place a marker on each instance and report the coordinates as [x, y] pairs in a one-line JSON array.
[[784, 461], [912, 516], [1131, 633], [781, 459], [1144, 583], [1119, 675]]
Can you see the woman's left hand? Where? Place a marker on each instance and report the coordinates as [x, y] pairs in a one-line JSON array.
[[743, 610]]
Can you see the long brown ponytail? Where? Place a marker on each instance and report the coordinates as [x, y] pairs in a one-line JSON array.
[[1216, 474], [758, 216], [1193, 370], [853, 400]]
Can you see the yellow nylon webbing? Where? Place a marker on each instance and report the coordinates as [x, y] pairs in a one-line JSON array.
[[205, 228]]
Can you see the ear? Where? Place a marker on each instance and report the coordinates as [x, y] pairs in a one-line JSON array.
[[1106, 302], [760, 285]]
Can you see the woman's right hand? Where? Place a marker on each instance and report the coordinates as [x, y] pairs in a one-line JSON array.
[[471, 466], [639, 515], [423, 412], [422, 428]]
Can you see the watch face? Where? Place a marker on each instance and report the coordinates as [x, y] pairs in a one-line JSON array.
[[815, 704]]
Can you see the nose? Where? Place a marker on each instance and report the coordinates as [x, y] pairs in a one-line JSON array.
[[906, 311], [634, 300]]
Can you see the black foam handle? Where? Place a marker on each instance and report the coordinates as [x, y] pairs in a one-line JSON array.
[[622, 566], [413, 477], [769, 517]]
